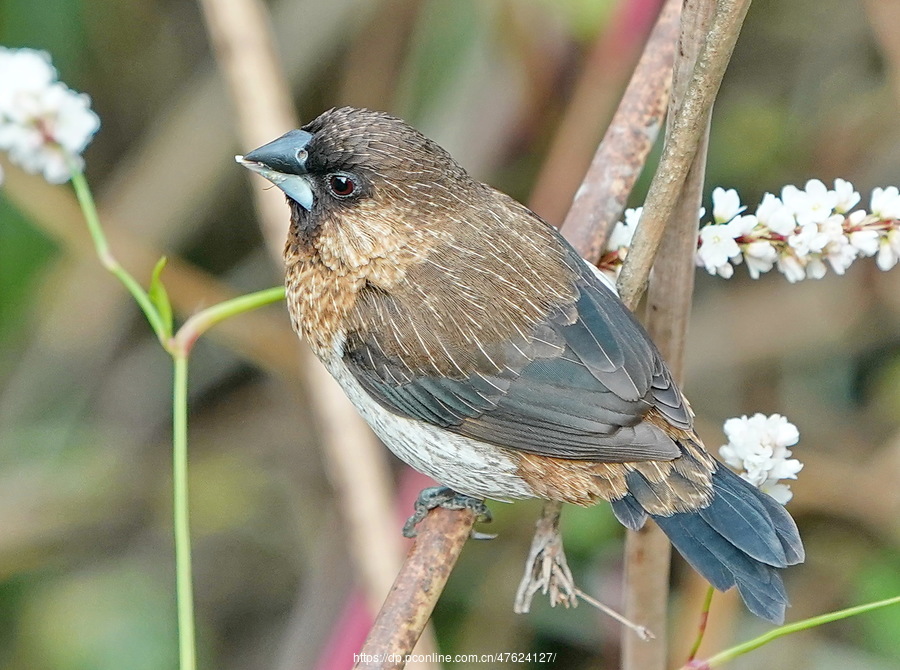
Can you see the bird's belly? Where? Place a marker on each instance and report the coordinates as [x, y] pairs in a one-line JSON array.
[[465, 465]]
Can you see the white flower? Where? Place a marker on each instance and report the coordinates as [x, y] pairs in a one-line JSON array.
[[856, 218], [814, 204], [717, 245], [802, 232], [847, 197], [815, 268], [758, 445], [841, 256], [889, 250], [23, 72], [725, 271], [623, 231], [43, 123], [791, 267], [808, 239], [886, 202], [865, 241], [726, 204], [773, 214], [781, 492], [760, 257], [743, 225], [838, 249]]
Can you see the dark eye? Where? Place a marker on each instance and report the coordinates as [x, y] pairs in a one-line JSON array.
[[341, 185]]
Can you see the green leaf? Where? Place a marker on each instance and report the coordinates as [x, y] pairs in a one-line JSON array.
[[159, 297]]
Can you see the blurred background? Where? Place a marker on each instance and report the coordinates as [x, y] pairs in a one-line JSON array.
[[520, 92]]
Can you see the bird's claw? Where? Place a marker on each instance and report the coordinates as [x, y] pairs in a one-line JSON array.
[[441, 496]]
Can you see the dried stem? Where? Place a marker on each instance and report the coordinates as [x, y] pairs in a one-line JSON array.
[[675, 197], [621, 155], [416, 590], [610, 64], [682, 141]]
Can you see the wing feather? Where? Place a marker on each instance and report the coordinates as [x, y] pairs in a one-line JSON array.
[[578, 385]]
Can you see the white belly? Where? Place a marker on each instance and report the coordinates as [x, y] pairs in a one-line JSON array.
[[465, 465]]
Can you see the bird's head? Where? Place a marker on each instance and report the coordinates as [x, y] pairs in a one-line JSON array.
[[361, 183], [386, 228]]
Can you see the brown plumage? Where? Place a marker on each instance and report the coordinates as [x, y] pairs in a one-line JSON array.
[[488, 355]]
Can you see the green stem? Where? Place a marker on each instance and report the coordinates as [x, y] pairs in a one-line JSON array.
[[179, 346], [202, 321], [183, 577], [89, 209], [730, 654], [704, 620]]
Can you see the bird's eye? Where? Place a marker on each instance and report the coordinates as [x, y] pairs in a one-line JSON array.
[[341, 185]]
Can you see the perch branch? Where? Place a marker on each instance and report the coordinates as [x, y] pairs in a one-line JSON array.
[[621, 155], [416, 590]]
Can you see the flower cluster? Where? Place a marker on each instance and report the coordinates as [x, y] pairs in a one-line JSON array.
[[44, 125], [798, 232], [758, 445], [801, 231]]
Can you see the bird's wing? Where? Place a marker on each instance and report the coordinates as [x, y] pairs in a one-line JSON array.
[[578, 386]]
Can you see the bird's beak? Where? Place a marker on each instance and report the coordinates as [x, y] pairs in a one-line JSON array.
[[283, 162]]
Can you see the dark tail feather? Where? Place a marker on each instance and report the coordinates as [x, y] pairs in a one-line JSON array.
[[743, 537]]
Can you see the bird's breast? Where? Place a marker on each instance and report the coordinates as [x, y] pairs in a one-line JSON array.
[[318, 300]]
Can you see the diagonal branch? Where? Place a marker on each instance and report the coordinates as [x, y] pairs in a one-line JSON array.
[[648, 551], [622, 153], [682, 141]]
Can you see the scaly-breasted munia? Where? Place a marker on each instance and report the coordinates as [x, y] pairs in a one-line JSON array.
[[487, 354]]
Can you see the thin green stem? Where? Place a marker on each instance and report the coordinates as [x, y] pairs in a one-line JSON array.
[[179, 347], [183, 576], [89, 209], [704, 620], [729, 654], [202, 321]]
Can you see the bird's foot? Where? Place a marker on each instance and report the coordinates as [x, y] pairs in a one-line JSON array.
[[547, 570], [441, 496]]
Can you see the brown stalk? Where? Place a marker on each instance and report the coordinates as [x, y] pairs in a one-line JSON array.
[[683, 138], [621, 155], [648, 551], [611, 63], [412, 598]]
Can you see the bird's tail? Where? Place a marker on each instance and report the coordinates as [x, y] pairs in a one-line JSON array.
[[741, 538]]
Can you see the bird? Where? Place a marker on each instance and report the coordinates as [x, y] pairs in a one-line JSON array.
[[487, 354]]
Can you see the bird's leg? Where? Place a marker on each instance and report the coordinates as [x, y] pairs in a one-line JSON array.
[[441, 496], [546, 568]]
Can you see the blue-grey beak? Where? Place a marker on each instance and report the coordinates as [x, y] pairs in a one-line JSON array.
[[283, 162]]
